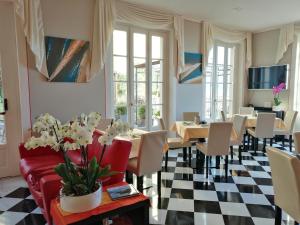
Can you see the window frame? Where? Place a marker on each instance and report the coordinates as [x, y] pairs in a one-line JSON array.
[[130, 73]]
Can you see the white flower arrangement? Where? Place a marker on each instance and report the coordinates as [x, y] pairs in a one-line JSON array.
[[112, 131], [77, 180], [78, 132]]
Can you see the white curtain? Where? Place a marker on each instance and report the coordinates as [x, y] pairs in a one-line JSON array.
[[244, 41], [179, 36], [207, 43], [30, 14], [106, 12], [142, 16], [103, 26], [286, 37], [153, 19]]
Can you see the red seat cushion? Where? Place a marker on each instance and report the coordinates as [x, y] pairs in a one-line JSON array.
[[39, 163]]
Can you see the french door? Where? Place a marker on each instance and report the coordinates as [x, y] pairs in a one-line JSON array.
[[10, 121], [219, 81], [138, 76]]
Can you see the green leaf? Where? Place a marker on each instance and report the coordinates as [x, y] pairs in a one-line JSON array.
[[62, 171]]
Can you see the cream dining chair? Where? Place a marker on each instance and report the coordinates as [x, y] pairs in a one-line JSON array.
[[217, 143], [289, 122], [175, 143], [239, 124], [189, 116], [246, 110], [149, 158], [264, 129], [297, 141], [286, 183]]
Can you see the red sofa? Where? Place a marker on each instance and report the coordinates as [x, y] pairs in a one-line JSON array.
[[37, 165]]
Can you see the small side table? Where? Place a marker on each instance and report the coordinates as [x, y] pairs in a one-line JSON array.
[[136, 208]]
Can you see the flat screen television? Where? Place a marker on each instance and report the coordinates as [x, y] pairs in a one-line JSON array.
[[267, 77]]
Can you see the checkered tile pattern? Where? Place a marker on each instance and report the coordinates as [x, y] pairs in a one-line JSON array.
[[187, 196]]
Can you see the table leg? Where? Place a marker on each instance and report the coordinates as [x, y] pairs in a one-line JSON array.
[[190, 156], [140, 216], [129, 177], [184, 153], [200, 160], [218, 159]]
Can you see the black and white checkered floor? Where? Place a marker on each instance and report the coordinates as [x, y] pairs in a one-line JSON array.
[[187, 196]]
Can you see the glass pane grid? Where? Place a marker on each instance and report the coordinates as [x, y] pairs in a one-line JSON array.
[[120, 42]]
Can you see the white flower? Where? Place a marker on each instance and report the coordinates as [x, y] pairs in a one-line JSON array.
[[70, 146], [110, 133], [45, 122], [84, 136], [93, 119]]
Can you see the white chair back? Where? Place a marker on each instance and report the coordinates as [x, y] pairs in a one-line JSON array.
[[189, 116], [162, 124], [246, 110], [289, 120], [219, 138], [297, 141], [104, 123], [286, 181], [265, 125], [151, 152], [223, 116], [239, 126]]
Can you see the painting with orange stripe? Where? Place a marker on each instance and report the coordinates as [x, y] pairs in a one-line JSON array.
[[67, 59]]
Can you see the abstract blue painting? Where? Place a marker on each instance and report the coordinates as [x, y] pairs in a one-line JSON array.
[[192, 73], [67, 59]]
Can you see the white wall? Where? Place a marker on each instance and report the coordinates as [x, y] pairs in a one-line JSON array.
[[189, 97], [71, 19], [264, 48]]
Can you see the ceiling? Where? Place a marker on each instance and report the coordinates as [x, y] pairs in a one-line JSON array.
[[248, 15]]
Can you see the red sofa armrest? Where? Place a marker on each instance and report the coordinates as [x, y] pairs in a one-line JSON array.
[[24, 152], [50, 186]]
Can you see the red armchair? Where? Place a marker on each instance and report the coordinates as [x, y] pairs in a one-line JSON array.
[[37, 166]]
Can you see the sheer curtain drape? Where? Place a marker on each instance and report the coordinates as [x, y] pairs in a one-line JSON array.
[[244, 41], [103, 26], [106, 12], [286, 37], [30, 14], [296, 85], [153, 19]]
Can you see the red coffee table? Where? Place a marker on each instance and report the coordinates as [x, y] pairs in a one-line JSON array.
[[136, 208]]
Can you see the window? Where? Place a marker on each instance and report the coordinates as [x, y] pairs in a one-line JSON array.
[[219, 81], [138, 76]]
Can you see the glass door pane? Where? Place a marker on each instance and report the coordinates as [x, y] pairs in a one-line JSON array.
[[219, 88], [120, 75], [219, 82], [2, 111], [139, 106], [157, 80], [229, 80]]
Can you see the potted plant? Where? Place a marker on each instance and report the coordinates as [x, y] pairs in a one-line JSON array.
[[81, 187], [276, 91], [121, 112]]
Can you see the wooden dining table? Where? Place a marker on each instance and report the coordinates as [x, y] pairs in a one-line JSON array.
[[188, 130]]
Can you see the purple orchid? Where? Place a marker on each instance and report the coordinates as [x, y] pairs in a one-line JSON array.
[[276, 91]]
